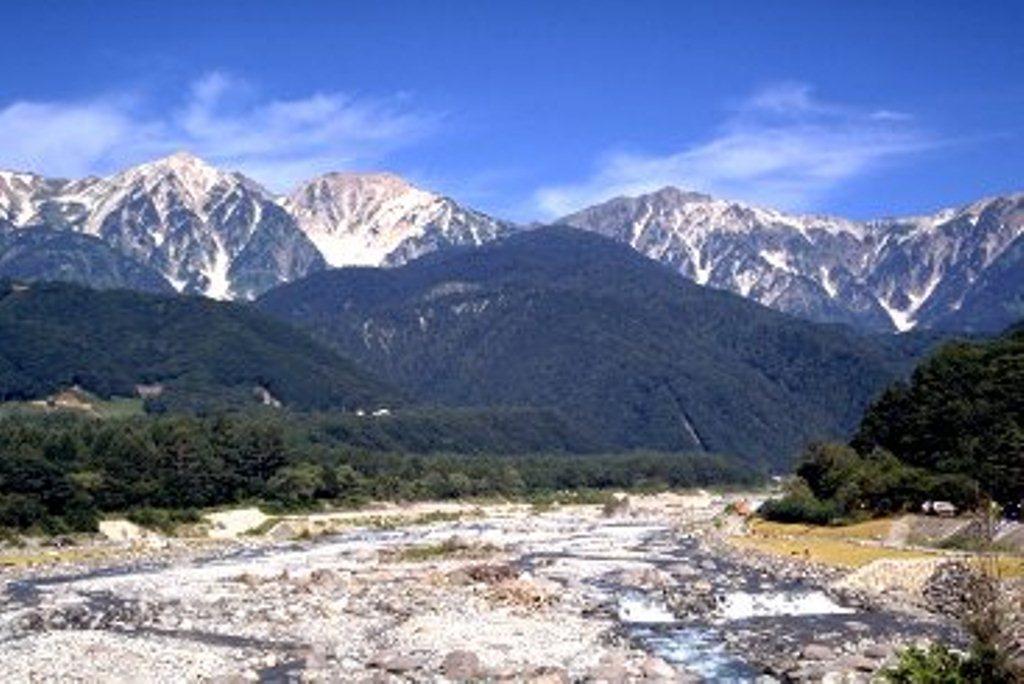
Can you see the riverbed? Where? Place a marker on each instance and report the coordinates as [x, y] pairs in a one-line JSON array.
[[509, 594]]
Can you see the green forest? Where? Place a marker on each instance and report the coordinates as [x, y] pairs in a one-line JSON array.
[[954, 432]]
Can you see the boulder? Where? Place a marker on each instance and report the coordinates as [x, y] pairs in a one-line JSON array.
[[610, 670], [395, 663], [461, 666], [816, 652], [658, 669], [547, 674]]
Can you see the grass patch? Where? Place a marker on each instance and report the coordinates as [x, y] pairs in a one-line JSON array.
[[869, 530], [1010, 567], [835, 552], [163, 520], [844, 546], [449, 548], [24, 559], [119, 407], [115, 407], [263, 528]]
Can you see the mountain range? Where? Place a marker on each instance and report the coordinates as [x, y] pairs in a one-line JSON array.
[[207, 231]]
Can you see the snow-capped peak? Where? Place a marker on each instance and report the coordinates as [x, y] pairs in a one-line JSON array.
[[188, 172]]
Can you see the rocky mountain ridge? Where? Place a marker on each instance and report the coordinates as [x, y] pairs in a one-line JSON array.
[[220, 234], [889, 274]]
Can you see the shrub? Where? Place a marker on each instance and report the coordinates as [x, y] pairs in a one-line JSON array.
[[936, 665], [800, 505], [162, 519]]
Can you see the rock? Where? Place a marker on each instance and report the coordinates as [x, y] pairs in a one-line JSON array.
[[315, 657], [503, 674], [461, 665], [878, 651], [646, 578], [491, 573], [611, 670], [656, 668], [608, 674], [547, 674], [861, 663], [816, 652], [395, 663]]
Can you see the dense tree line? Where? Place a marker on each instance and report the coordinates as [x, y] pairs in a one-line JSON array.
[[954, 433], [62, 472], [961, 413]]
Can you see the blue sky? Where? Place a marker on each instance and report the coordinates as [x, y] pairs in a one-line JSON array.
[[531, 109]]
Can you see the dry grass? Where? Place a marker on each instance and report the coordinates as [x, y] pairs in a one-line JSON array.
[[1010, 567], [870, 530], [449, 548], [24, 558], [827, 551], [845, 546]]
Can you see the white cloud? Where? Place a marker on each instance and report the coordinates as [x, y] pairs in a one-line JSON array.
[[220, 118], [781, 147]]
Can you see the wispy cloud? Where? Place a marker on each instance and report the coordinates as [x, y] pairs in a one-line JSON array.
[[220, 117], [783, 146]]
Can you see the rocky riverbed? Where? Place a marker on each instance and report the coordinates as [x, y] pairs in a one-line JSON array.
[[649, 593]]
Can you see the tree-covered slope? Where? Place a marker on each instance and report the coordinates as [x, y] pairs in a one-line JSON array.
[[204, 353], [41, 254], [561, 318]]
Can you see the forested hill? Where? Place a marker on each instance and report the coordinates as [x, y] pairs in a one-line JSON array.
[[203, 353], [560, 318], [41, 254], [962, 413]]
